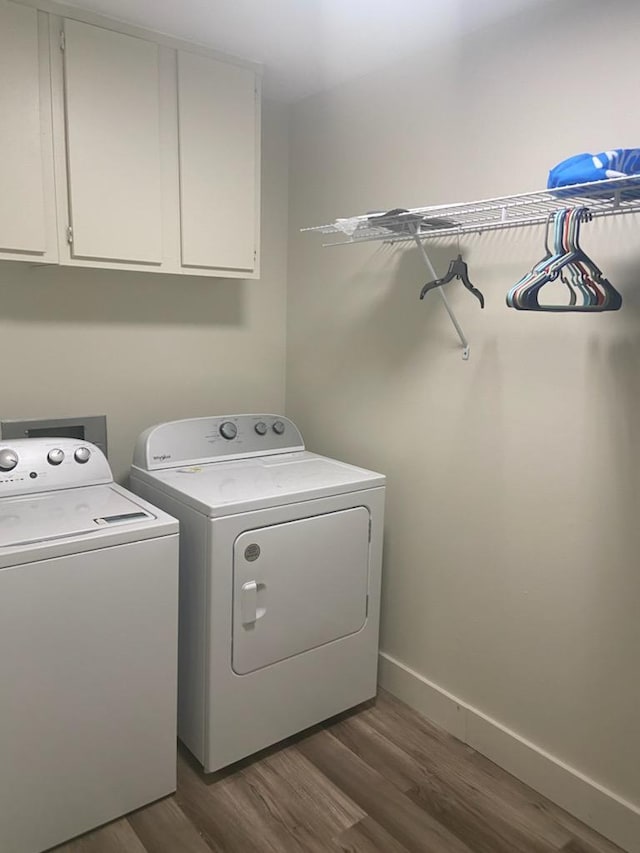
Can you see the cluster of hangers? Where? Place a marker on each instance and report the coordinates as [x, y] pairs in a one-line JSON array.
[[589, 290]]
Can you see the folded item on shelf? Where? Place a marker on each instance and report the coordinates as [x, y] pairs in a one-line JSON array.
[[403, 221], [589, 168], [348, 225]]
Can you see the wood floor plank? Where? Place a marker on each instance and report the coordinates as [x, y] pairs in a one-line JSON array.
[[367, 836], [163, 827], [116, 837], [576, 846], [223, 829], [376, 750], [508, 785], [527, 808], [446, 757], [282, 802], [466, 812], [389, 807], [323, 806]]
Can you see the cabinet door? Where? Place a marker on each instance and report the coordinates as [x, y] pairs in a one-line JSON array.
[[217, 126], [112, 108], [27, 216]]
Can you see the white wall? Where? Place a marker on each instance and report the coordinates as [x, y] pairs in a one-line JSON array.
[[512, 576], [144, 347]]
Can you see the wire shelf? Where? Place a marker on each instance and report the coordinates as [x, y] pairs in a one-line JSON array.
[[610, 197]]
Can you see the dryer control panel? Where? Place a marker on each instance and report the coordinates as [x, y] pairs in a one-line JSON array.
[[29, 465], [201, 440]]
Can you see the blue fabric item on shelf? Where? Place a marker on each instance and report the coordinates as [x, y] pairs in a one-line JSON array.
[[588, 168]]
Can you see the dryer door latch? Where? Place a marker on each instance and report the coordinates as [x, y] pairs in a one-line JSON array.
[[249, 602]]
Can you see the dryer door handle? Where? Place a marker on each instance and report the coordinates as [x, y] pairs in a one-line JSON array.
[[249, 602]]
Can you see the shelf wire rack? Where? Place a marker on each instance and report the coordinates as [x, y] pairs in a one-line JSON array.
[[610, 197]]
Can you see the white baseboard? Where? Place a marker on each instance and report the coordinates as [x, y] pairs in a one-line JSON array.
[[584, 798]]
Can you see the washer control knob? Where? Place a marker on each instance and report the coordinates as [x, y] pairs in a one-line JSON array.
[[228, 430], [261, 428], [278, 427], [82, 455], [55, 456], [8, 459]]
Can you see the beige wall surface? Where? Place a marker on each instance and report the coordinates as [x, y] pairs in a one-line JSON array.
[[143, 348], [512, 567]]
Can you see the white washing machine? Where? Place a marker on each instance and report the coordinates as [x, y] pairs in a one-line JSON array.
[[280, 559], [88, 645]]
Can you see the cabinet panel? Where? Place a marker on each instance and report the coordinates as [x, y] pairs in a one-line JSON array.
[[22, 172], [113, 145], [217, 126]]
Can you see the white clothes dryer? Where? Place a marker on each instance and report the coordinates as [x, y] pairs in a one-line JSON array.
[[280, 561], [88, 645]]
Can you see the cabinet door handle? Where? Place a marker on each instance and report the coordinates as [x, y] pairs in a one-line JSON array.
[[249, 602]]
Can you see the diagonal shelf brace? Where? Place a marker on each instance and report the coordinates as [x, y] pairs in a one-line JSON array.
[[463, 339]]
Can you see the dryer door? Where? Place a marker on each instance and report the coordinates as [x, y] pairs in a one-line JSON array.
[[298, 585]]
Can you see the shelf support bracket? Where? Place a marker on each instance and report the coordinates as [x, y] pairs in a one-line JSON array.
[[466, 349]]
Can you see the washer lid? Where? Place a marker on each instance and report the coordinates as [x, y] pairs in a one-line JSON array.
[[40, 518], [223, 488]]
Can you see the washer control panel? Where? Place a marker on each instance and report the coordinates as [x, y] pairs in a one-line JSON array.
[[200, 440], [29, 465]]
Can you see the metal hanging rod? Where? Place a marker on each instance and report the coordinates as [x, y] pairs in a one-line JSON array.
[[603, 198]]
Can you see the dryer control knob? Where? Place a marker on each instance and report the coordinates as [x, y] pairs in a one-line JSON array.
[[55, 456], [228, 430], [261, 428], [82, 455], [8, 459], [278, 428]]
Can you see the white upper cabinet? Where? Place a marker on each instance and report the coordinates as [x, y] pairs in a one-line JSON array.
[[27, 209], [124, 149], [218, 119], [112, 112]]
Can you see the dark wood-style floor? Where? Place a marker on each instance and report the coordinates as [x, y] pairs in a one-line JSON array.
[[380, 779]]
